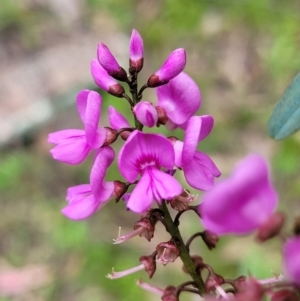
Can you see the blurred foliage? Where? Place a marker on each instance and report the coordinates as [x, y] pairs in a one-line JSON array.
[[81, 254]]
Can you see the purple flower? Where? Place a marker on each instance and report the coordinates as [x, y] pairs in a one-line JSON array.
[[116, 119], [74, 145], [86, 199], [180, 99], [136, 50], [146, 113], [145, 154], [241, 203], [104, 80], [109, 63], [291, 259], [199, 170], [174, 64]]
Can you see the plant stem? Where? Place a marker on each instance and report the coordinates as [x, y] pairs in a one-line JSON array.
[[183, 251]]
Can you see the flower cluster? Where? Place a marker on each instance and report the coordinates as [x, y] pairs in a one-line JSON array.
[[148, 163]]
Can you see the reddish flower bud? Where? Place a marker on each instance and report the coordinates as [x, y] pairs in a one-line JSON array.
[[210, 239], [167, 252], [285, 295], [149, 263], [146, 225], [271, 227]]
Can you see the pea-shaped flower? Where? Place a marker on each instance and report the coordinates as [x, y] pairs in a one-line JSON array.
[[145, 154], [241, 203]]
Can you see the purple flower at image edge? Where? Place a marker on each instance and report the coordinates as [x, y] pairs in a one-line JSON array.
[[241, 203]]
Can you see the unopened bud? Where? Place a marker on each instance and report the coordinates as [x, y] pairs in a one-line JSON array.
[[250, 290], [271, 227], [136, 51], [167, 252], [149, 263]]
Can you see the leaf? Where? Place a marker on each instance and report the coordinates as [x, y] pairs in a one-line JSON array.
[[285, 119]]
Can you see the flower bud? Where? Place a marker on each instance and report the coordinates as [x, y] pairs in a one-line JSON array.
[[250, 290], [149, 264], [174, 64], [210, 239], [136, 51], [145, 113], [167, 252], [271, 227], [104, 81], [109, 63]]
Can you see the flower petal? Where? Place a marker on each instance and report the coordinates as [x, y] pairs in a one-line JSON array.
[[103, 160], [72, 150], [241, 203], [117, 120], [291, 259], [143, 148], [200, 172], [141, 197], [74, 191], [180, 98], [101, 77], [62, 136]]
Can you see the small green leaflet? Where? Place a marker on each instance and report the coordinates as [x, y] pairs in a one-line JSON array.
[[285, 119]]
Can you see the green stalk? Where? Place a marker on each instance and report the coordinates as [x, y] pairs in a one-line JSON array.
[[183, 251]]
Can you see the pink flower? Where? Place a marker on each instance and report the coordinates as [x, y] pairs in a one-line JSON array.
[[136, 50], [74, 145], [199, 170], [180, 98], [104, 80], [86, 199], [291, 259], [241, 203], [174, 64], [145, 154], [109, 63], [146, 113]]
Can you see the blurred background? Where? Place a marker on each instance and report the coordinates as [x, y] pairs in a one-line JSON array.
[[242, 53]]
